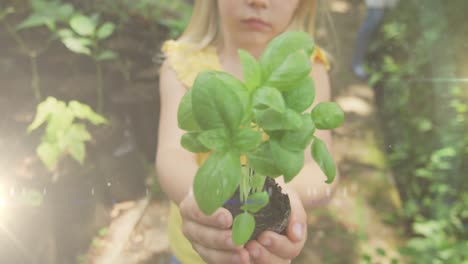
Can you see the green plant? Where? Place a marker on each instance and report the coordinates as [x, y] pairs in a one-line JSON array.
[[424, 121], [228, 117], [43, 13], [63, 135], [84, 37]]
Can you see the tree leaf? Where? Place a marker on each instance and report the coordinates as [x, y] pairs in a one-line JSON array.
[[327, 115], [268, 97], [298, 140], [105, 30], [242, 228], [216, 180], [82, 25], [215, 138], [302, 96], [251, 69], [190, 142], [247, 139], [185, 118], [255, 202], [262, 161], [215, 103], [288, 162], [324, 159], [291, 72]]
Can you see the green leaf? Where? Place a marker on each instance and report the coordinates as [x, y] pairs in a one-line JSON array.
[[216, 180], [60, 121], [107, 55], [288, 162], [35, 20], [255, 202], [302, 96], [327, 115], [268, 97], [105, 30], [257, 181], [215, 138], [324, 159], [190, 142], [65, 33], [247, 139], [44, 110], [262, 161], [83, 25], [215, 103], [242, 228], [270, 119], [78, 151], [76, 45], [85, 112], [252, 71], [281, 47], [298, 140], [49, 154], [289, 74], [185, 118]]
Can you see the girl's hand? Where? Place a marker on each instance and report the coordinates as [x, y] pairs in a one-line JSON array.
[[272, 248], [211, 236]]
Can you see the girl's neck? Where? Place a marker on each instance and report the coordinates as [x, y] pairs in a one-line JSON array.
[[229, 57]]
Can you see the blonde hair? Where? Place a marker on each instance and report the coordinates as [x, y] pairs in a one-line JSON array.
[[204, 26]]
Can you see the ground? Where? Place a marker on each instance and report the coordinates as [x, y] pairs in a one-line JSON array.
[[359, 224]]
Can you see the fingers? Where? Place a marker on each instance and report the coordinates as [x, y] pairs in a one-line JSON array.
[[240, 256], [281, 245], [261, 255], [208, 236], [221, 218]]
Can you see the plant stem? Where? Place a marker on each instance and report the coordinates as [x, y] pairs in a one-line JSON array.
[[35, 79], [100, 88]]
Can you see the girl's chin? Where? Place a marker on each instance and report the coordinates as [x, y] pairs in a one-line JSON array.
[[254, 38]]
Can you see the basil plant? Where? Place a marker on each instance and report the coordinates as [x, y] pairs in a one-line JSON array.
[[262, 122]]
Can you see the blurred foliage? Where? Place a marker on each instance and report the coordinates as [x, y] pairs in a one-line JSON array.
[[171, 14], [422, 98], [63, 135]]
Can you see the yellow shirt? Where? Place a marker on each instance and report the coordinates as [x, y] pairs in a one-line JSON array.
[[187, 61]]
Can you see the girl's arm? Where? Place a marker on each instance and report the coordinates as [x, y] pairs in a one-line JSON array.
[[175, 166], [310, 182]]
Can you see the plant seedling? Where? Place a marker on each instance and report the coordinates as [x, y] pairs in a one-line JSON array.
[[262, 120], [85, 37], [63, 135]]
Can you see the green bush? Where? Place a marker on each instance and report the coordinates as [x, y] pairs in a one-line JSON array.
[[423, 108]]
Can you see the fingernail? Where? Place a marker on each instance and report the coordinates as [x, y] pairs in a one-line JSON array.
[[265, 242], [236, 259], [298, 231]]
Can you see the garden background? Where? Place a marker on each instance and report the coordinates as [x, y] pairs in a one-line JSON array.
[[78, 128]]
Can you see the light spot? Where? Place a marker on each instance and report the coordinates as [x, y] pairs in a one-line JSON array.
[[355, 104], [109, 184]]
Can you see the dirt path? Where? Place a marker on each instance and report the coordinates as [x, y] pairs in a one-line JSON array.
[[358, 224]]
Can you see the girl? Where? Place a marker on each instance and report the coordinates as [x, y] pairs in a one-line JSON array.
[[218, 28]]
